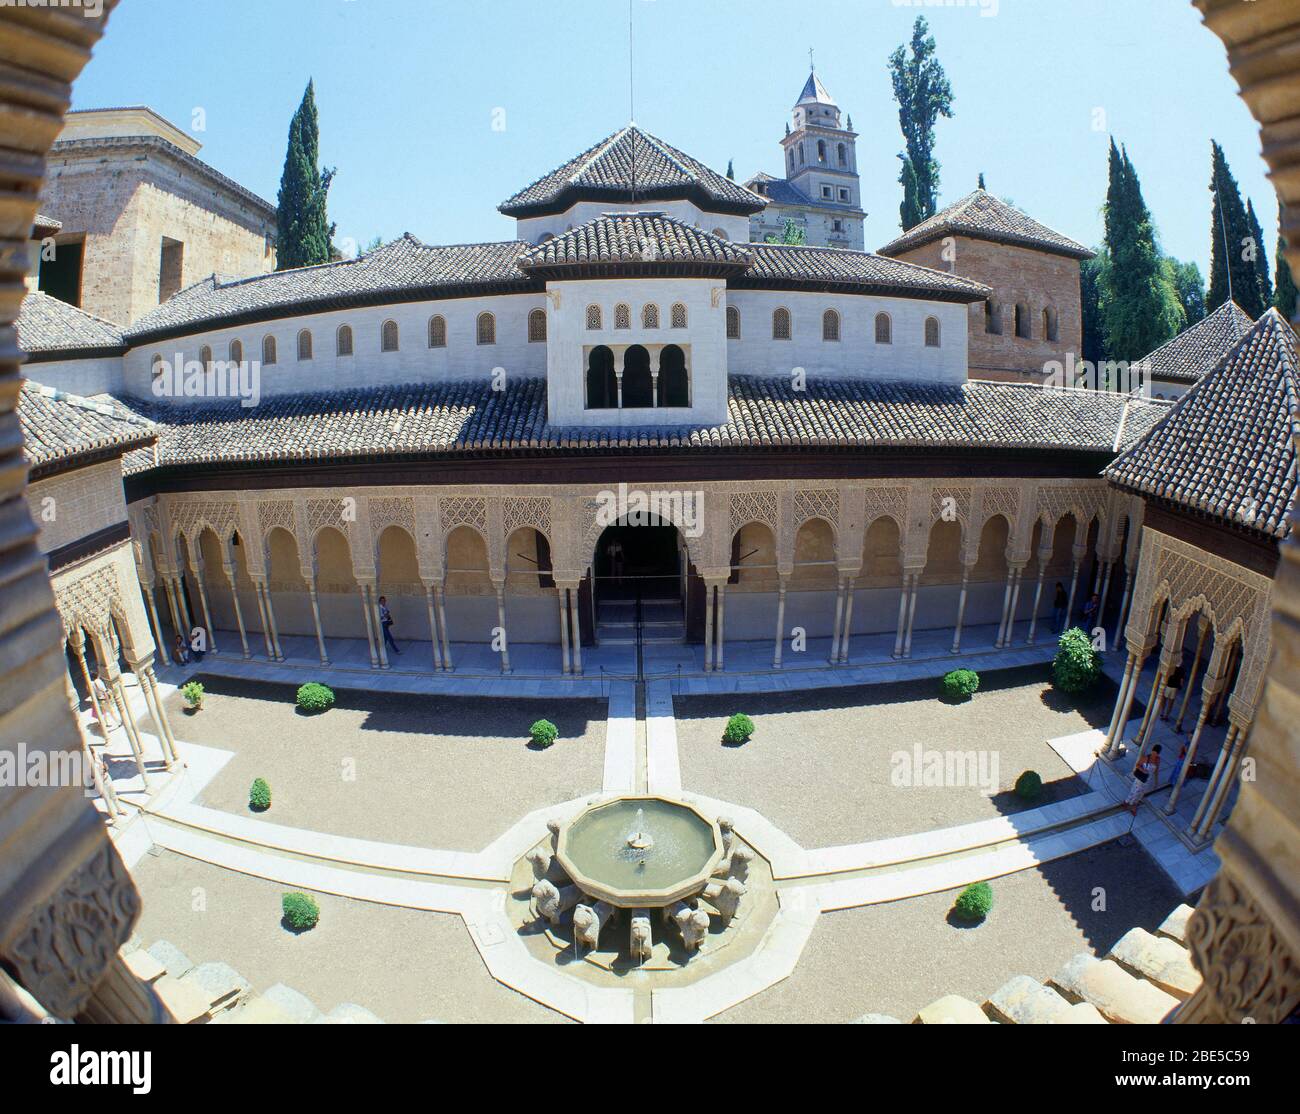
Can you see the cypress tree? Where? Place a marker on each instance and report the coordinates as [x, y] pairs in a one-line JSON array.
[[909, 212], [1229, 244], [1139, 305], [731, 169], [1187, 281], [981, 182], [1262, 277], [923, 94], [303, 233], [1284, 294], [1091, 273]]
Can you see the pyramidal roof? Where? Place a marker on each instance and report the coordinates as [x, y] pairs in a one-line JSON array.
[[653, 241], [1227, 448], [632, 165], [814, 92], [982, 216], [1197, 350]]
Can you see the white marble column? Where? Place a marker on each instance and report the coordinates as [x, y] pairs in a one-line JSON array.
[[708, 628], [433, 627], [315, 618], [229, 571], [839, 619], [779, 645], [904, 595], [563, 599], [847, 637], [1038, 601], [961, 608], [501, 623], [439, 597], [721, 626], [370, 626]]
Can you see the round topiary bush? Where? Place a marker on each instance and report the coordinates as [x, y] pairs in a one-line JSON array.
[[193, 693], [738, 730], [300, 911], [974, 902], [543, 734], [315, 698], [1078, 665], [259, 796], [1029, 786], [961, 684]]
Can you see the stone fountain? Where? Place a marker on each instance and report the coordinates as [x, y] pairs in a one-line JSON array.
[[635, 856]]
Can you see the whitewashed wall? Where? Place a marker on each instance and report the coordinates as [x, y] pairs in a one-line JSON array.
[[533, 229], [79, 377]]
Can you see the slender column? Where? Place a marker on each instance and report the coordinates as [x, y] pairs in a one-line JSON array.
[[1038, 601], [315, 617], [1124, 602], [1207, 699], [442, 623], [169, 591], [1006, 605], [847, 637], [563, 595], [961, 608], [1121, 699], [433, 627], [721, 626], [620, 355], [261, 615], [655, 354], [902, 614], [1015, 606], [780, 623], [370, 626], [839, 618], [128, 725], [911, 614], [1074, 588], [1202, 634], [1225, 783], [575, 640], [79, 648], [270, 615], [211, 647], [1147, 729], [372, 609], [1127, 705], [229, 570], [501, 622], [103, 784], [186, 617], [1221, 767], [150, 682], [708, 628], [1105, 592], [150, 603]]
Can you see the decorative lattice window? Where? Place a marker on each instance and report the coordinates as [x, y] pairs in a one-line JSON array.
[[830, 325], [622, 316], [345, 340], [304, 345], [679, 316], [537, 327], [236, 352], [205, 357], [932, 332], [781, 325], [594, 319], [268, 351], [733, 323], [389, 338], [487, 329], [884, 329], [437, 331], [650, 317]]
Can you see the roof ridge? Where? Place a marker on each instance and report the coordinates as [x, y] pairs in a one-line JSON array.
[[667, 152], [77, 309], [592, 155]]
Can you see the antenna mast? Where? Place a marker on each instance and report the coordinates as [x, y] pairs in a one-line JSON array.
[[631, 92]]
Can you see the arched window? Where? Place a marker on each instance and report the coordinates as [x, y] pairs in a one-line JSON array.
[[487, 329], [594, 319], [650, 317], [721, 234], [733, 323], [844, 155], [884, 329], [389, 339], [268, 351], [679, 316], [830, 325], [1022, 321], [821, 150], [344, 340], [932, 332], [205, 357], [622, 316], [236, 352], [602, 383], [781, 324], [674, 378], [437, 331], [304, 345], [1051, 325], [537, 327], [992, 318]]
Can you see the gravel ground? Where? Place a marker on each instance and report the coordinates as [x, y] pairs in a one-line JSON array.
[[431, 771], [897, 958], [821, 763], [401, 964]]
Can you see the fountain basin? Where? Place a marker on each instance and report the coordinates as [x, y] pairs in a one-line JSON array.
[[679, 851]]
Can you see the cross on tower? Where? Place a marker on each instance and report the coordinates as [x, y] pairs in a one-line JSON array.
[[812, 62]]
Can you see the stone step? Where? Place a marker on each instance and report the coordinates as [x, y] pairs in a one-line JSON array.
[[175, 961], [224, 986], [143, 966], [1025, 1001], [1118, 996], [1161, 961], [186, 1002], [348, 1014], [301, 1009], [255, 1011], [952, 1010], [1175, 925]]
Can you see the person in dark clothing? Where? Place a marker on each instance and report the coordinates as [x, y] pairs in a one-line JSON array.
[[386, 621], [1060, 605], [1173, 684]]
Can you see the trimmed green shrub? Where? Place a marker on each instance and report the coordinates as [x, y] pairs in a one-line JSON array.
[[313, 697], [259, 796], [300, 911], [193, 693], [961, 684], [974, 902], [739, 729], [1029, 786], [543, 733], [1078, 665]]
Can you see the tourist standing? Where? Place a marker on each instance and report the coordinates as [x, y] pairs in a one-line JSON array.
[[1146, 776], [1060, 604], [1173, 684], [386, 621]]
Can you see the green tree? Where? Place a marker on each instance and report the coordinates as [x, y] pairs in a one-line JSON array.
[[981, 181], [1284, 294], [1139, 304], [1091, 278], [1232, 271], [1256, 250], [731, 169], [792, 235], [923, 94], [909, 213], [1190, 287], [304, 236]]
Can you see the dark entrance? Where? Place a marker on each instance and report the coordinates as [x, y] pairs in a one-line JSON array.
[[638, 585]]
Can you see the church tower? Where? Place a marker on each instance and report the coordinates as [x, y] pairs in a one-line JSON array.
[[821, 190]]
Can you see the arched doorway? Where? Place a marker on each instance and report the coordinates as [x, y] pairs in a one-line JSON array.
[[639, 574], [638, 385], [674, 380], [602, 384]]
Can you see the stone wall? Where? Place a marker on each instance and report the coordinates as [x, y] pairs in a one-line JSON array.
[[77, 504]]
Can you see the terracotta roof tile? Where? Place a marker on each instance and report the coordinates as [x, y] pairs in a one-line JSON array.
[[982, 216]]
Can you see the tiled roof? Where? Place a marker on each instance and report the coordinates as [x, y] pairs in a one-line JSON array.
[[858, 271], [45, 224], [1227, 448], [47, 326], [1200, 349], [648, 240], [59, 428], [982, 216], [780, 191], [405, 270], [605, 173], [425, 420], [814, 92]]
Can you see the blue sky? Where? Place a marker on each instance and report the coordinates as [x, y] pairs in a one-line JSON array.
[[409, 90]]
